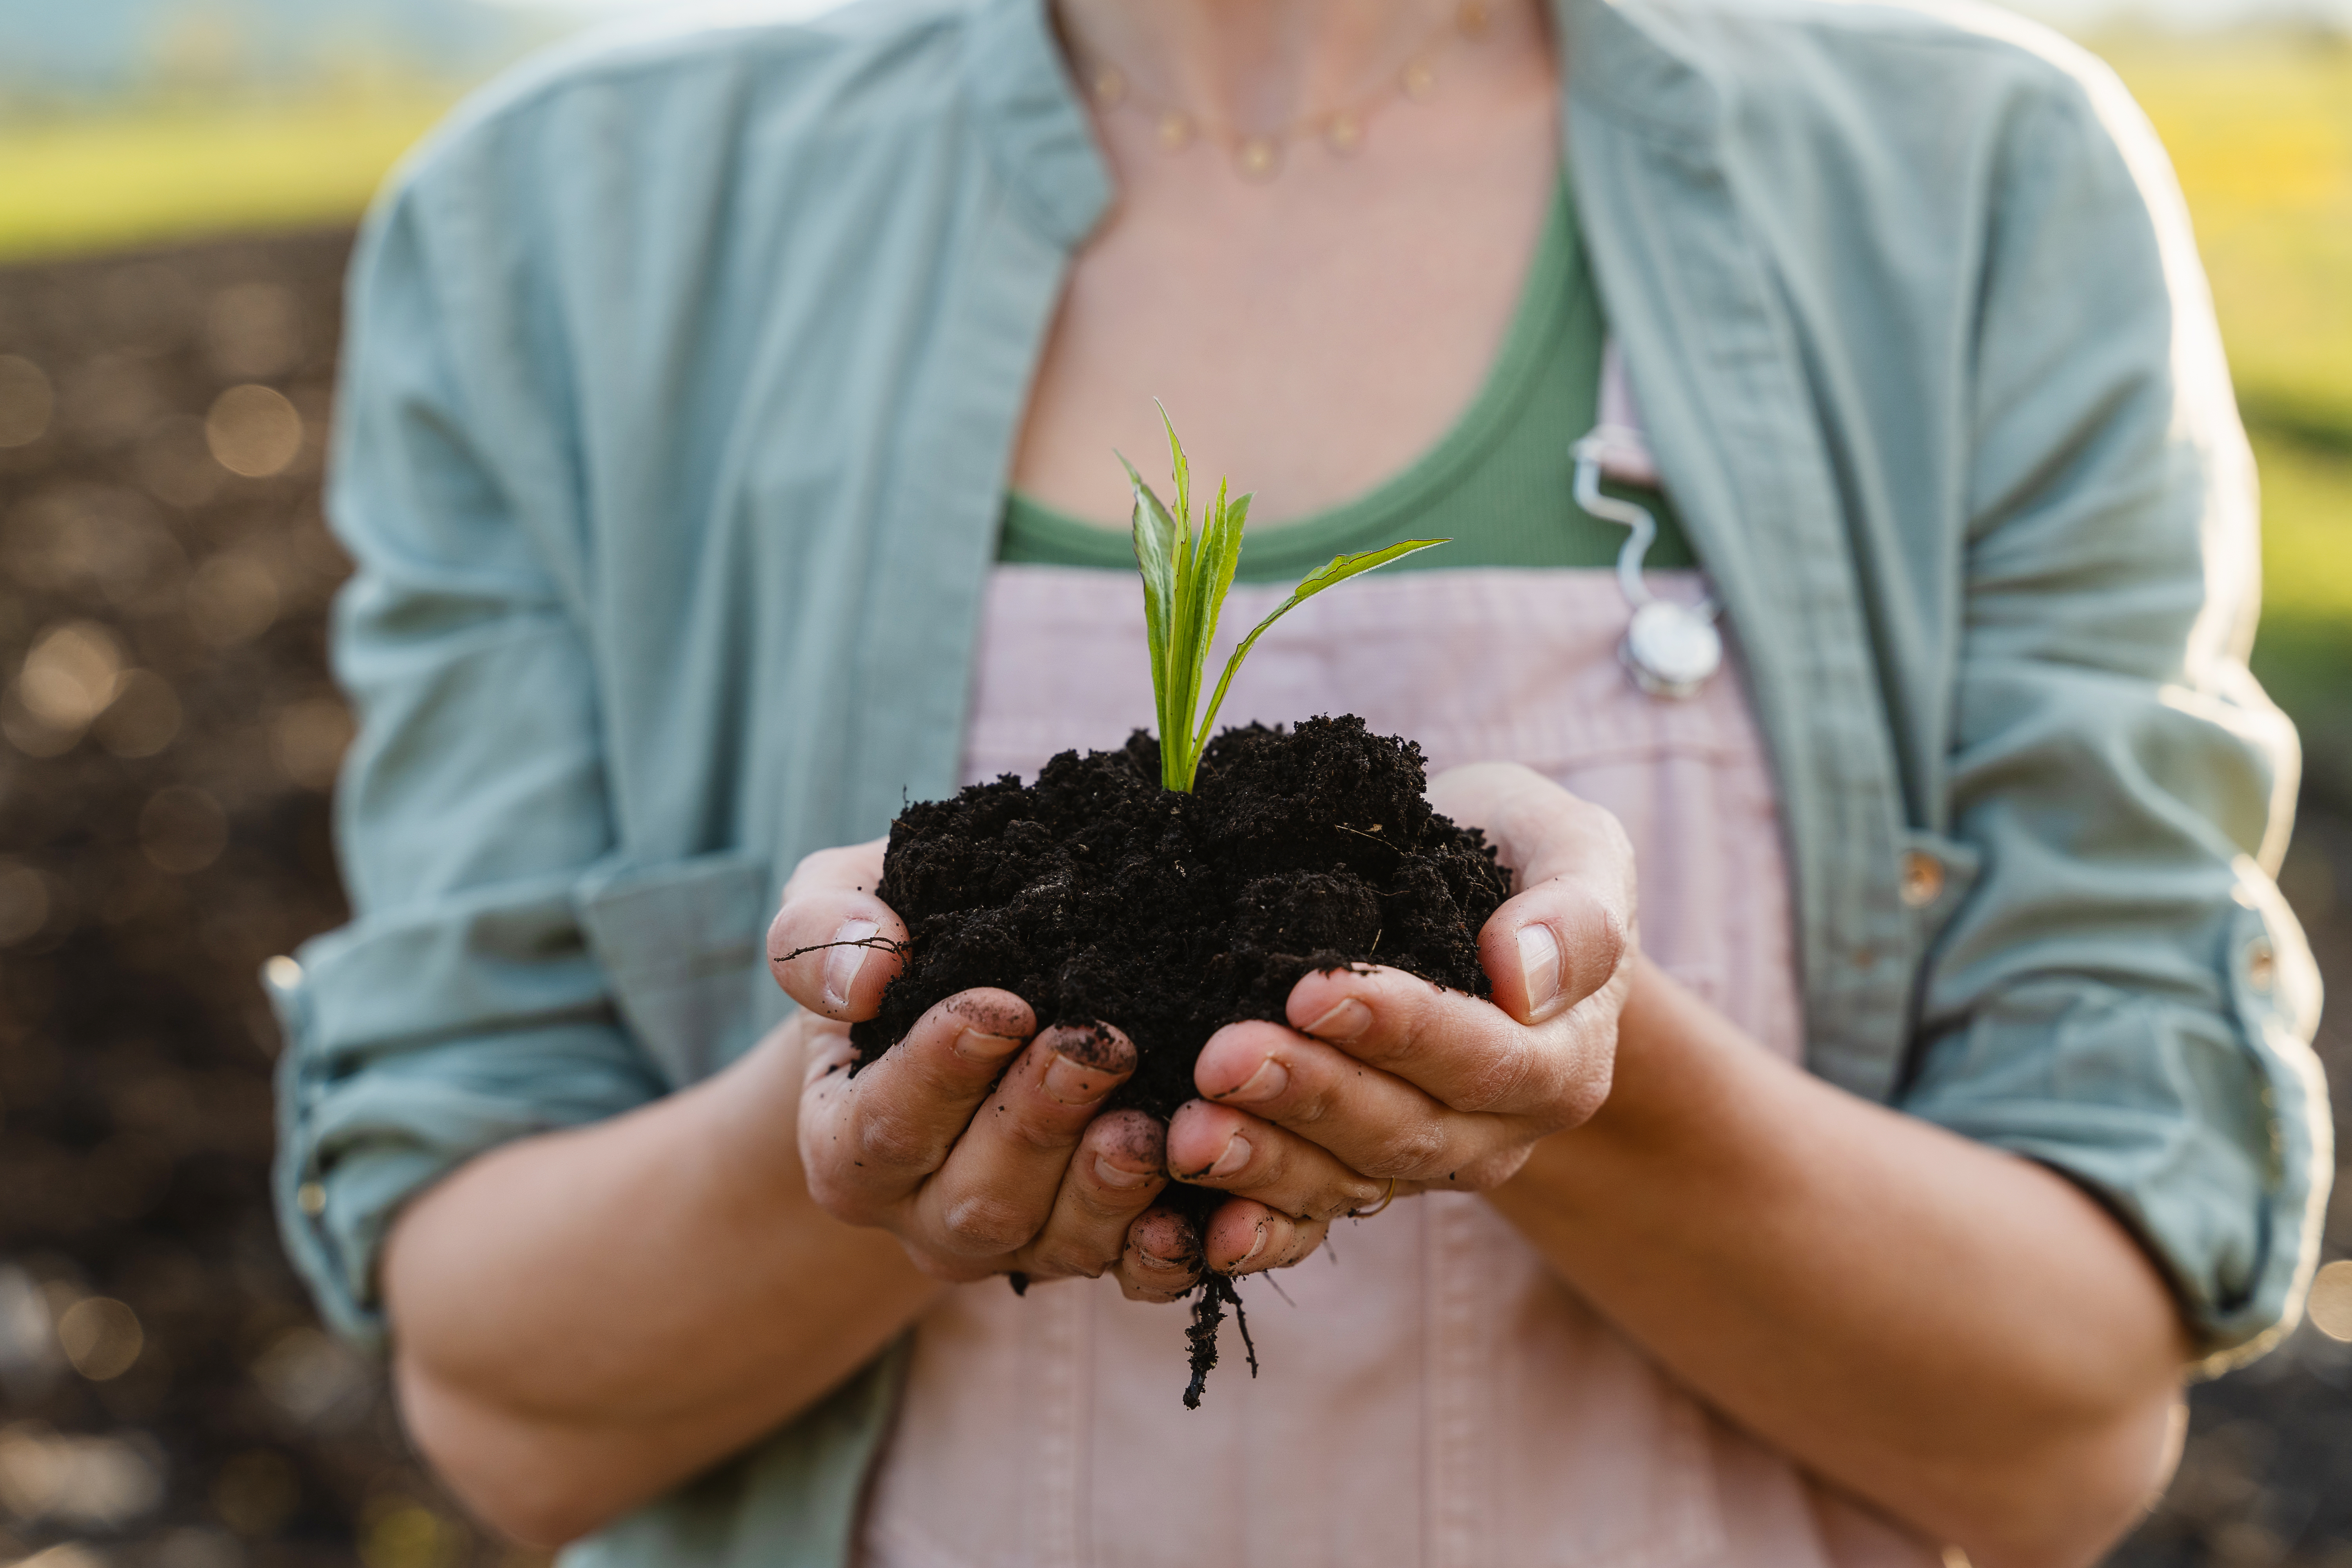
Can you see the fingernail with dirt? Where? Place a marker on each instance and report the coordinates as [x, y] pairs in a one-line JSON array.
[[1180, 1254], [978, 1045], [1073, 1083], [1270, 1079], [845, 958], [1236, 1155], [1539, 966], [1344, 1022], [1257, 1246], [1088, 1060], [1118, 1180]]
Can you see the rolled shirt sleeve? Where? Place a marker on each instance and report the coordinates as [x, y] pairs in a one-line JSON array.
[[463, 1006], [2123, 995]]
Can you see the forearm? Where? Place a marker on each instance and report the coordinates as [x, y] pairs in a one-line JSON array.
[[1960, 1336], [583, 1319]]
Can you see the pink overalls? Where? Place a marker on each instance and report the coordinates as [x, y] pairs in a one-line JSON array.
[[1430, 1393]]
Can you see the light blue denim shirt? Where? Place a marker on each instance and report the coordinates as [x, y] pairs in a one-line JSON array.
[[683, 377]]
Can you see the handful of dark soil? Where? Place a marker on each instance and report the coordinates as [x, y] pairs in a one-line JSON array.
[[1096, 895]]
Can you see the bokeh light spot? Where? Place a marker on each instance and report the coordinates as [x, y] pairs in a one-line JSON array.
[[2331, 1300], [255, 1492], [101, 1482], [175, 461], [64, 1555], [25, 903], [314, 1379], [308, 739], [28, 1344], [252, 332], [182, 830], [232, 599], [26, 401], [85, 540], [399, 1534], [143, 718], [110, 399], [254, 431], [194, 1548], [72, 673], [101, 1337]]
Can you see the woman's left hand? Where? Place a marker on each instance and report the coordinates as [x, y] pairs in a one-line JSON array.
[[1386, 1084]]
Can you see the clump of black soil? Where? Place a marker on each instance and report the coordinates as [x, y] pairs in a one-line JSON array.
[[1096, 896]]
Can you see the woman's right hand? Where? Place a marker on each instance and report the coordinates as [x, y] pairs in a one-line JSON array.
[[976, 1146]]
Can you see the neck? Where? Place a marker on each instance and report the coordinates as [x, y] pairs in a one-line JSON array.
[[1256, 67]]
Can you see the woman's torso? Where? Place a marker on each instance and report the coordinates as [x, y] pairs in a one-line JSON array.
[[756, 433], [804, 374]]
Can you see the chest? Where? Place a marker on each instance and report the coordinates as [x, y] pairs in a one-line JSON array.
[[1309, 335]]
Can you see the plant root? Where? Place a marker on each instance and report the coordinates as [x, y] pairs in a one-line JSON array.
[[1208, 1311], [886, 944]]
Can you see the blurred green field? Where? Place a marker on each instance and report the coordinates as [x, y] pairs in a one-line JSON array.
[[182, 172], [2260, 127]]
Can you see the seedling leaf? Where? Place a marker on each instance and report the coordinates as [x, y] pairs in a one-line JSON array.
[[1178, 465], [1155, 557], [1340, 569], [1186, 577]]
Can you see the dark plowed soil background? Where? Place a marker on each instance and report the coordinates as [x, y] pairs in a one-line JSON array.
[[167, 741]]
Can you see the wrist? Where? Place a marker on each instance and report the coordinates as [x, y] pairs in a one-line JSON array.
[[1679, 1113], [747, 1147]]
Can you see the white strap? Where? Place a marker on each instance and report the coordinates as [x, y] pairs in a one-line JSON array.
[[1672, 649], [1618, 442]]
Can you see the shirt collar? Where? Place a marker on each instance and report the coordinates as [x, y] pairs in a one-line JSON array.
[[1037, 129], [1626, 58]]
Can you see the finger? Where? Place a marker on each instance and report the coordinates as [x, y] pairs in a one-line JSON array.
[[1120, 1166], [1163, 1257], [1469, 1055], [1371, 1122], [869, 1142], [834, 945], [1234, 1151], [999, 1183], [1247, 1238], [1569, 925]]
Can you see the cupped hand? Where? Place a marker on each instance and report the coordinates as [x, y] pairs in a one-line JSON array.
[[1385, 1084], [976, 1141]]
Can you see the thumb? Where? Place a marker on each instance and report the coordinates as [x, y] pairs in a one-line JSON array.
[[1570, 922], [834, 946]]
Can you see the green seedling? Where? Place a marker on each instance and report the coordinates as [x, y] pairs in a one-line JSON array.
[[1185, 579]]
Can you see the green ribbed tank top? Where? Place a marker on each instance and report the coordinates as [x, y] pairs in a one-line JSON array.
[[1499, 484]]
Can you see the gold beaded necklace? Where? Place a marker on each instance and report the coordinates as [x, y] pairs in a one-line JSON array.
[[1259, 154]]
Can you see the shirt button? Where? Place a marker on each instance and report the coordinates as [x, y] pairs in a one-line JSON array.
[[2261, 964], [311, 1199], [1923, 880], [283, 974]]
